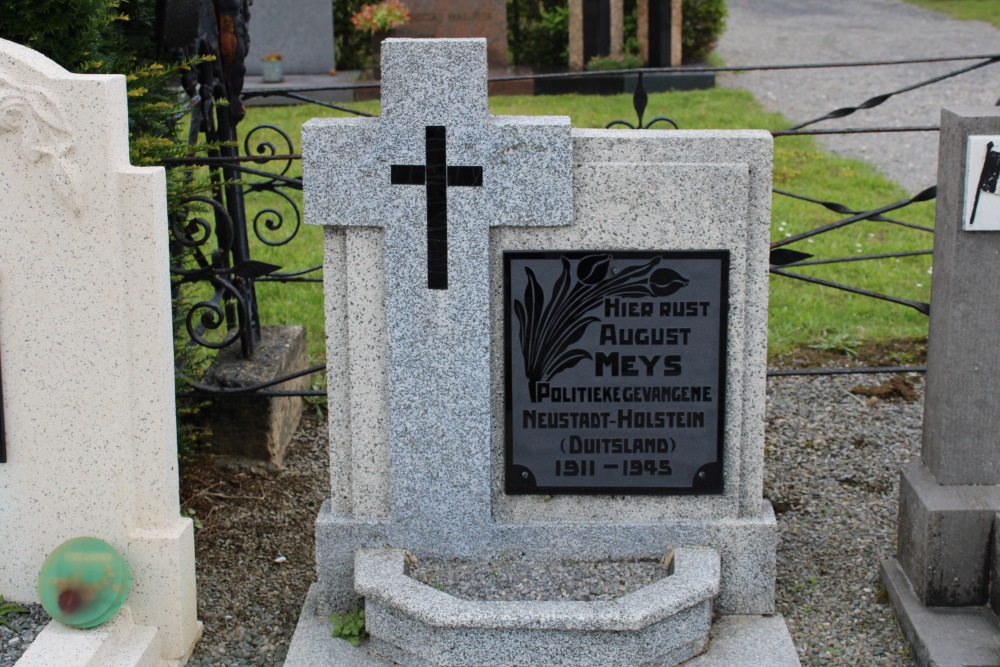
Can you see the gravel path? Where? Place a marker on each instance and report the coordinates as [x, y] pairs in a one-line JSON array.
[[812, 31]]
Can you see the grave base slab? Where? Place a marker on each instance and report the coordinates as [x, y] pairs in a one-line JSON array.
[[941, 636], [256, 427], [120, 642], [745, 640], [417, 625], [944, 537], [747, 547]]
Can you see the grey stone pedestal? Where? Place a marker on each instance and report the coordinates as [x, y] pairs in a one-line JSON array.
[[940, 584]]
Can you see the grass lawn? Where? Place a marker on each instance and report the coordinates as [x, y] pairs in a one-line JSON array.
[[966, 10], [800, 314]]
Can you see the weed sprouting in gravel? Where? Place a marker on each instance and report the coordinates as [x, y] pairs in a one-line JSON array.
[[350, 625], [8, 608]]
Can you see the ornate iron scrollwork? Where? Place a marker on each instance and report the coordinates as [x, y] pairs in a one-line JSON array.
[[193, 29], [639, 101]]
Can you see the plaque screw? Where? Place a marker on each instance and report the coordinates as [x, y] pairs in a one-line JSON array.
[[524, 475], [701, 475], [616, 270]]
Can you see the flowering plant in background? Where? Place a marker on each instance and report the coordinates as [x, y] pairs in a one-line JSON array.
[[381, 17]]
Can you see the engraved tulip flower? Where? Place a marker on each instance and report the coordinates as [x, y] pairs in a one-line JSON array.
[[549, 330], [592, 269], [665, 282]]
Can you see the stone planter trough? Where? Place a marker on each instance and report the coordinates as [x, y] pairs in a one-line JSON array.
[[662, 624]]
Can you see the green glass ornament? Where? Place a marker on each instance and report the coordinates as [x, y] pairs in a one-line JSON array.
[[83, 582]]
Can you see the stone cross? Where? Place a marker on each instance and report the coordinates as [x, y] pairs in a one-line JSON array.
[[434, 97]]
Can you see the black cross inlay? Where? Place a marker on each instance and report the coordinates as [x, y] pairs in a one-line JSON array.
[[437, 176]]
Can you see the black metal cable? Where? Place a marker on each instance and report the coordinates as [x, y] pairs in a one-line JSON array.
[[837, 207], [925, 195], [919, 306], [879, 99]]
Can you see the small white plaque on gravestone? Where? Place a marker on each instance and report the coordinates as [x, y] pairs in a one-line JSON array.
[[982, 171]]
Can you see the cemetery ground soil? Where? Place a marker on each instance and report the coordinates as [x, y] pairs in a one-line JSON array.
[[834, 449]]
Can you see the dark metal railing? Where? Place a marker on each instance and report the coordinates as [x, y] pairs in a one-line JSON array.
[[268, 154]]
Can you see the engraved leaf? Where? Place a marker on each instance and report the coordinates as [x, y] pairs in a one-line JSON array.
[[566, 361], [522, 321], [592, 269], [552, 315], [567, 336], [562, 284], [534, 300]]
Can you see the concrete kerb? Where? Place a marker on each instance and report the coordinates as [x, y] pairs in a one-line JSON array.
[[381, 575]]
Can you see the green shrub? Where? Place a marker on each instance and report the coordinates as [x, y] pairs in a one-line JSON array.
[[74, 34], [607, 63], [702, 23], [353, 47], [538, 32]]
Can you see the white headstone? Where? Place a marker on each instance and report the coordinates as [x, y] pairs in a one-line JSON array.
[[86, 348]]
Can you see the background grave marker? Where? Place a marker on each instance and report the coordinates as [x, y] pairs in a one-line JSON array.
[[949, 499]]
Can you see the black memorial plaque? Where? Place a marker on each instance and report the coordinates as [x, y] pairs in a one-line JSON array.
[[615, 371]]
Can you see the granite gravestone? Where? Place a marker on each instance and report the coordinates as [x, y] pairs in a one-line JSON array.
[[427, 209], [944, 582], [301, 31]]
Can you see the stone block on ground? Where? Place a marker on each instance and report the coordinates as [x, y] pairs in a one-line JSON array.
[[258, 428], [942, 636], [945, 538]]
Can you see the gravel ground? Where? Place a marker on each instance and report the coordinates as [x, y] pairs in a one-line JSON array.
[[832, 469], [24, 628], [525, 579], [763, 32]]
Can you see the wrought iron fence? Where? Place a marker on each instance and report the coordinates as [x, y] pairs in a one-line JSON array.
[[261, 164]]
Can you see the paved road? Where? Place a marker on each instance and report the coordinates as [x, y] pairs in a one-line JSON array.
[[809, 31]]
